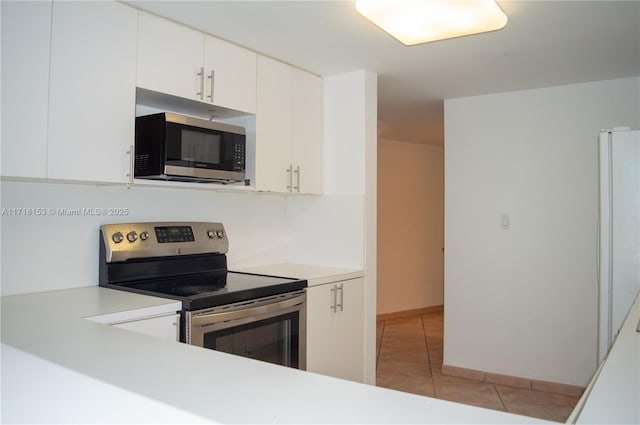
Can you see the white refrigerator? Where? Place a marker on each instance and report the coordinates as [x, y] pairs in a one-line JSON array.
[[619, 231]]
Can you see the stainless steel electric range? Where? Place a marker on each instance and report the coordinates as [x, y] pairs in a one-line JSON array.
[[256, 316]]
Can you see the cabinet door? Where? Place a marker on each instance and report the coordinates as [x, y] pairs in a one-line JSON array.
[[92, 90], [26, 30], [170, 57], [350, 331], [273, 126], [320, 327], [165, 327], [306, 143], [233, 70], [335, 340]]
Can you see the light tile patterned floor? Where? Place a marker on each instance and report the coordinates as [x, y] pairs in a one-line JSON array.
[[410, 360]]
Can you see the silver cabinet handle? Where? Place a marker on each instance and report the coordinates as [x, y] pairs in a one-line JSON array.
[[341, 289], [132, 163], [211, 77], [201, 75], [334, 291], [290, 172], [297, 186]]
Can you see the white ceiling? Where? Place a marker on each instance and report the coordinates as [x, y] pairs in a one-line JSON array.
[[545, 43]]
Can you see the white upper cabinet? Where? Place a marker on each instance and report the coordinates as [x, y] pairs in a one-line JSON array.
[[91, 91], [169, 57], [288, 129], [306, 140], [179, 61], [26, 29], [231, 78], [273, 127]]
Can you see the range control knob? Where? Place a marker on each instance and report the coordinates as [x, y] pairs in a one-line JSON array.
[[211, 234], [132, 236], [117, 237], [144, 236], [220, 234]]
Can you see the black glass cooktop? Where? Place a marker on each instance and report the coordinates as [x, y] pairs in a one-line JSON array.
[[214, 289]]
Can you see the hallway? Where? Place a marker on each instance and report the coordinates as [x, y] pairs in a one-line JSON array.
[[409, 358]]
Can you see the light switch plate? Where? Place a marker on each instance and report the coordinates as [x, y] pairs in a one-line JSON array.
[[505, 221]]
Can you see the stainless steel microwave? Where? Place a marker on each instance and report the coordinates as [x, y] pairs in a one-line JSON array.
[[176, 147]]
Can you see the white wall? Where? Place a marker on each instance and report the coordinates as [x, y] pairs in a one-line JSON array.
[[54, 251], [411, 224], [523, 301], [326, 230]]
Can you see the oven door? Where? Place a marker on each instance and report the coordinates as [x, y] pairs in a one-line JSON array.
[[271, 329]]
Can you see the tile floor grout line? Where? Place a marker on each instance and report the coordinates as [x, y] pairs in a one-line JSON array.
[[379, 347], [426, 343], [500, 397]]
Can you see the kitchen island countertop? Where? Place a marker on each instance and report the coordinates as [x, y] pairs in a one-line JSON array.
[[57, 366]]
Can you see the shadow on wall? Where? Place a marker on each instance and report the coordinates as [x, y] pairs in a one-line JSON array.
[[423, 123]]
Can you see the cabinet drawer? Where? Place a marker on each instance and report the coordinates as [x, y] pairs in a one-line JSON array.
[[164, 327]]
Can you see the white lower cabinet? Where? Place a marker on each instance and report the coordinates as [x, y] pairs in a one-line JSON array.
[[335, 329], [164, 327]]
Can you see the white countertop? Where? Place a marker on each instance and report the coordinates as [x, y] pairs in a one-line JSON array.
[[315, 275], [59, 367], [613, 395]]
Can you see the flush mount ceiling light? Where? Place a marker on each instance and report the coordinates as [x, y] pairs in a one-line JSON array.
[[421, 21]]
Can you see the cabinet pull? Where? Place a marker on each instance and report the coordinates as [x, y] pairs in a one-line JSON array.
[[201, 75], [132, 163], [341, 289], [212, 85], [334, 306], [297, 186], [290, 172]]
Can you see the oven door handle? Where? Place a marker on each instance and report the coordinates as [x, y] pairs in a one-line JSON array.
[[206, 319]]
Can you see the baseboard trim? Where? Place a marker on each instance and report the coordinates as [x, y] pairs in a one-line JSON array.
[[512, 381], [407, 313]]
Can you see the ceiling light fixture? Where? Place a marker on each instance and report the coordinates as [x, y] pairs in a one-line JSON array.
[[421, 21]]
